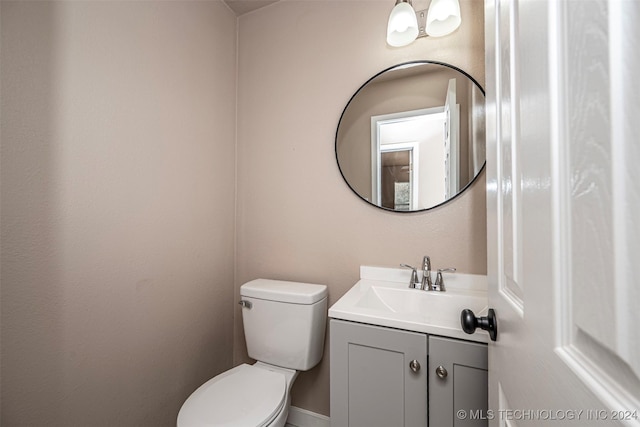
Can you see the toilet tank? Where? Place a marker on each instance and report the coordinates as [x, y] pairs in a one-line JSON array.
[[284, 322]]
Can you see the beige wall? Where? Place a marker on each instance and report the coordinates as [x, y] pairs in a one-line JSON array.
[[299, 63], [117, 196], [118, 129]]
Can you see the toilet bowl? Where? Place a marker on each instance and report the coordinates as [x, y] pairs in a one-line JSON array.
[[245, 396], [284, 324]]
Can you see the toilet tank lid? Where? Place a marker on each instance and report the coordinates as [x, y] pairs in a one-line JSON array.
[[284, 291]]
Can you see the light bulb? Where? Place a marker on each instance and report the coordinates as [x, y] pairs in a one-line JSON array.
[[443, 17], [402, 28]]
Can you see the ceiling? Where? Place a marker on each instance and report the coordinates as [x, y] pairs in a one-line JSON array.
[[240, 7]]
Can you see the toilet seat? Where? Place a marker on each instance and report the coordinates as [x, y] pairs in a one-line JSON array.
[[245, 396]]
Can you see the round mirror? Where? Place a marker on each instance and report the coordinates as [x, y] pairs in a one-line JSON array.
[[412, 137]]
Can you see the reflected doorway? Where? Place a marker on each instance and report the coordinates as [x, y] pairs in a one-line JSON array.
[[396, 179], [409, 159]]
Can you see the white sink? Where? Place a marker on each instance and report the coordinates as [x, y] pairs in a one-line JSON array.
[[382, 297]]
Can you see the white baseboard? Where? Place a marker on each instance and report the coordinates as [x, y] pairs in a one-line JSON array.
[[299, 417]]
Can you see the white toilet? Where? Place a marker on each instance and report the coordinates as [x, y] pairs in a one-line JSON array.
[[284, 326]]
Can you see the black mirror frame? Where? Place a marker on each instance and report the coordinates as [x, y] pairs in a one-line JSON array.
[[403, 64]]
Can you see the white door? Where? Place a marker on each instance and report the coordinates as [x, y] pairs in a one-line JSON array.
[[563, 181], [451, 140]]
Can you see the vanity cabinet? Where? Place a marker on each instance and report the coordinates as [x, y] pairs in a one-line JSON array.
[[383, 377]]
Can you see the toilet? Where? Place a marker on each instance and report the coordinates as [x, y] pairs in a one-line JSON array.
[[284, 327]]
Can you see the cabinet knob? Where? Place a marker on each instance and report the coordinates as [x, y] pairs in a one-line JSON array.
[[441, 372], [414, 365]]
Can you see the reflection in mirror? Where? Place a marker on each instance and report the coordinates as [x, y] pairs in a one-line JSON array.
[[412, 137]]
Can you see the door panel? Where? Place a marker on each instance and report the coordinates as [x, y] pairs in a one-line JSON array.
[[509, 168], [599, 198], [452, 140]]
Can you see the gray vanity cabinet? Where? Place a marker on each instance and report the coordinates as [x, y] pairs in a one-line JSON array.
[[381, 377], [372, 382], [457, 383]]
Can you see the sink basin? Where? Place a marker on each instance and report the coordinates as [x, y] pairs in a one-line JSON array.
[[382, 297], [428, 304]]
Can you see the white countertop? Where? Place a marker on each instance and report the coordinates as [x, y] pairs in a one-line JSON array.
[[382, 297]]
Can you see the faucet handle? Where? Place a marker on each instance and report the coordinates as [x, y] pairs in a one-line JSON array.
[[439, 284], [414, 277]]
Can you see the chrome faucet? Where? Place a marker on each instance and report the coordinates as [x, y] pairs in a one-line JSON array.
[[426, 274], [427, 283], [439, 285], [414, 283]]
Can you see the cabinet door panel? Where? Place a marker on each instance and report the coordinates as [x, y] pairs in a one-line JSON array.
[[376, 386], [463, 389], [372, 384], [470, 394]]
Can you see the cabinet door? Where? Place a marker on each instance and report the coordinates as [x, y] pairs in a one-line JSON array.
[[372, 383], [458, 397]]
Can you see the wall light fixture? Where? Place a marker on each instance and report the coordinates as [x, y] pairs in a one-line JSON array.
[[405, 24]]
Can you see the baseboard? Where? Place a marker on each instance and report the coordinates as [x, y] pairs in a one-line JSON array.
[[299, 417]]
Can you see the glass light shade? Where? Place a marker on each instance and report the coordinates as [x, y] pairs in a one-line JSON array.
[[403, 25], [443, 17]]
